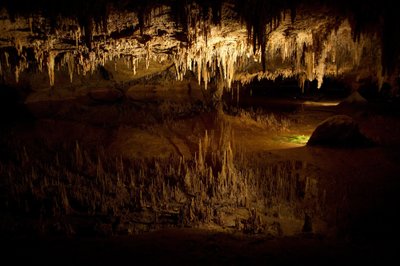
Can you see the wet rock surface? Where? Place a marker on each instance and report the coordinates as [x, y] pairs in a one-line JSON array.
[[338, 131]]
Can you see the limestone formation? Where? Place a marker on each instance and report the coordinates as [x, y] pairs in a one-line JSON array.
[[220, 43], [338, 130]]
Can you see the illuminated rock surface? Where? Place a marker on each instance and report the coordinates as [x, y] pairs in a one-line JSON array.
[[220, 43]]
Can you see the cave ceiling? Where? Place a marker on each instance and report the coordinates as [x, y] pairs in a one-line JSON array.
[[217, 43]]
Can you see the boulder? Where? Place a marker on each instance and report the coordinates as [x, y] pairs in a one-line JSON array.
[[339, 131]]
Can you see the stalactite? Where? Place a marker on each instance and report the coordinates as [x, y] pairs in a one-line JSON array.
[[309, 64], [69, 60], [39, 54], [50, 66], [20, 67], [213, 44], [215, 57], [320, 69], [302, 81]]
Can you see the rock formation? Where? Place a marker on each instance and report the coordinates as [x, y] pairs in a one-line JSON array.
[[338, 131], [220, 42]]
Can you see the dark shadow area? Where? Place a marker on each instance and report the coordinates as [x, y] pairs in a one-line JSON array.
[[12, 107]]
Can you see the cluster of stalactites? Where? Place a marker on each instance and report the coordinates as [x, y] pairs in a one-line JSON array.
[[44, 58], [303, 54], [66, 46], [215, 59], [213, 52], [313, 53]]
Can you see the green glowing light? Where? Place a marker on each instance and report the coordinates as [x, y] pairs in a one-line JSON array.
[[298, 139]]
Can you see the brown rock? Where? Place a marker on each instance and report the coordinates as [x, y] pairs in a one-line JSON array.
[[339, 130]]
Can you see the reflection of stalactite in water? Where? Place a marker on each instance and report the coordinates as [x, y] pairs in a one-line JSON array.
[[104, 73], [219, 182]]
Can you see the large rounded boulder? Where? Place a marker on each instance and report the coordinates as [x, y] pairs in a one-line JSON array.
[[338, 131]]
